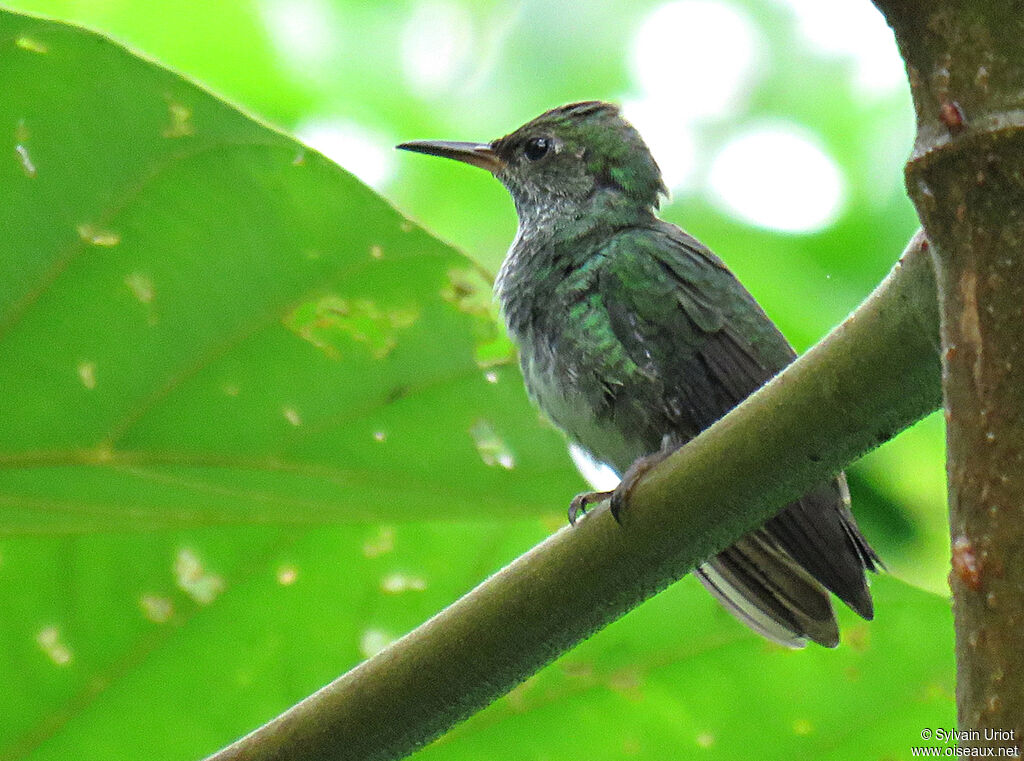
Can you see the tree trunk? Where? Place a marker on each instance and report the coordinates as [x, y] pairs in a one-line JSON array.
[[965, 63]]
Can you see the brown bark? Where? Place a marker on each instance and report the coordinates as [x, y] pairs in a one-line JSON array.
[[965, 64]]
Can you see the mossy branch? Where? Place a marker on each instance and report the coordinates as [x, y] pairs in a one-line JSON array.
[[871, 377]]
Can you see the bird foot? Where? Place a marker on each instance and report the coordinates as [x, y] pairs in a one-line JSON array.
[[632, 477], [618, 498], [580, 503]]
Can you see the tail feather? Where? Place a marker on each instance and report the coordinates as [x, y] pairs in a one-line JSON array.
[[776, 580], [768, 591], [747, 613], [818, 531]]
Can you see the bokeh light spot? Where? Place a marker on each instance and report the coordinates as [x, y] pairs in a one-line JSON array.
[[373, 640], [671, 140], [777, 177], [696, 57], [855, 29], [436, 42], [303, 32], [363, 153]]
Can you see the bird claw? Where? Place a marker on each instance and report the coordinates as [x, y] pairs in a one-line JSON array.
[[580, 503], [618, 498]]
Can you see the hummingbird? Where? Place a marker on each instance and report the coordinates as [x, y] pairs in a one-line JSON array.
[[633, 337]]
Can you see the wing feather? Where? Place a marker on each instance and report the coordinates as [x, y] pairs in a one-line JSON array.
[[687, 323]]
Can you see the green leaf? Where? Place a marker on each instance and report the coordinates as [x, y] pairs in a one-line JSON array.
[[167, 645], [202, 321], [161, 669]]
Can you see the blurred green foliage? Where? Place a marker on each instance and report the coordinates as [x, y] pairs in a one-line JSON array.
[[114, 635]]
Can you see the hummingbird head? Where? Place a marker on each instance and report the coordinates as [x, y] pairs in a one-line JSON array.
[[566, 157]]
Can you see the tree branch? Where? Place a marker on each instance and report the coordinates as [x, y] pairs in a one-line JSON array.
[[872, 376], [965, 63]]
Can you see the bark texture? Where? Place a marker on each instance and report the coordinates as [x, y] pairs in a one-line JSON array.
[[965, 64]]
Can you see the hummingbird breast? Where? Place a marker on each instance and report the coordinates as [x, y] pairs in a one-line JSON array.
[[574, 366], [575, 388]]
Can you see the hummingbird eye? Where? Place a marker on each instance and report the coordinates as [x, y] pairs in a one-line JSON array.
[[536, 148]]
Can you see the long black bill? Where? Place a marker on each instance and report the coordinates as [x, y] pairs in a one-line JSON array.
[[477, 154]]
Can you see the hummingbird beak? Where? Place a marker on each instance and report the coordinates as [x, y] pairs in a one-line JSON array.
[[477, 154]]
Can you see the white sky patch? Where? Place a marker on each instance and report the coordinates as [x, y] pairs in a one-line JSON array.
[[778, 177], [855, 29], [697, 58], [437, 40], [303, 32], [597, 474], [365, 154]]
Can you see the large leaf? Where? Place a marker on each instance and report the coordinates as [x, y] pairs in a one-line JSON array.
[[201, 321], [179, 649]]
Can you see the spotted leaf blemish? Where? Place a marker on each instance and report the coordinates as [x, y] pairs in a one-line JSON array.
[[50, 643], [95, 236], [331, 321], [87, 374], [31, 44], [469, 291], [180, 120], [493, 450], [194, 580], [156, 608], [292, 416], [21, 136], [396, 583]]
